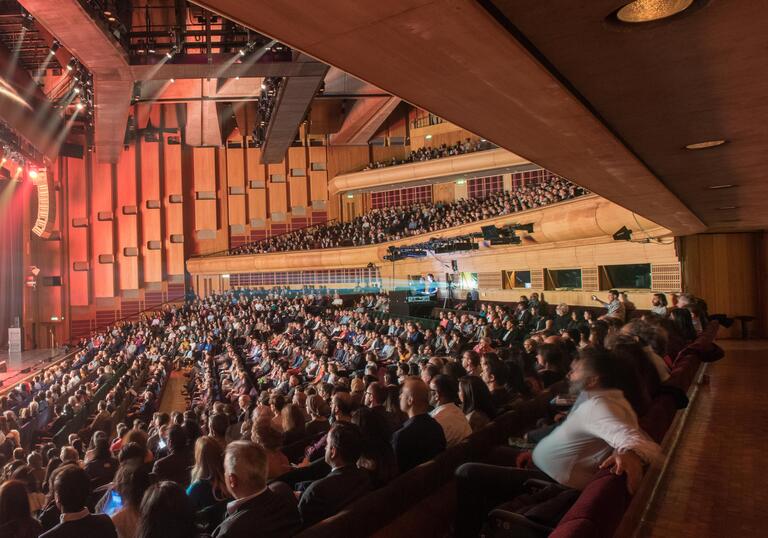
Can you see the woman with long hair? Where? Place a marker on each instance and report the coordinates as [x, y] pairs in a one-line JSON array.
[[15, 518], [166, 513], [101, 468], [207, 486], [476, 401], [131, 482], [294, 426]]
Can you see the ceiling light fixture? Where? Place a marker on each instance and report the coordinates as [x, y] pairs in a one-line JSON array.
[[724, 186], [640, 11], [705, 145]]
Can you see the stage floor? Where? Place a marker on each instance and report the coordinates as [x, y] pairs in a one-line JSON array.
[[34, 359]]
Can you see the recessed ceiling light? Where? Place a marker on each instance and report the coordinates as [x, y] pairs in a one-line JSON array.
[[725, 207], [706, 144], [724, 186], [651, 10]]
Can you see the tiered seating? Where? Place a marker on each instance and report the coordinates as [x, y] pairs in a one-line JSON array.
[[422, 501]]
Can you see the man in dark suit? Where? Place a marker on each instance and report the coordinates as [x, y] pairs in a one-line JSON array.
[[345, 483], [421, 438], [176, 465], [257, 509], [71, 488]]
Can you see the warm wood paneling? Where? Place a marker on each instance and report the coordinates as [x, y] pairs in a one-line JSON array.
[[150, 217], [102, 231], [127, 225], [77, 240], [236, 185], [724, 269], [204, 166], [174, 212], [346, 159]]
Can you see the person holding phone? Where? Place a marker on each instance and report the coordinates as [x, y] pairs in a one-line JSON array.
[[131, 481]]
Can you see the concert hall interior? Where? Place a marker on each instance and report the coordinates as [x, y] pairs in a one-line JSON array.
[[429, 268]]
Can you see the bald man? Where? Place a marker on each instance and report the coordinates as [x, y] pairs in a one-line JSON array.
[[421, 438]]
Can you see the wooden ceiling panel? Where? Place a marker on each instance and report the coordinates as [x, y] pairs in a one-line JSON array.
[[453, 58]]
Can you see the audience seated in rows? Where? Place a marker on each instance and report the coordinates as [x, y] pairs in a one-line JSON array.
[[256, 449], [425, 153], [395, 223]]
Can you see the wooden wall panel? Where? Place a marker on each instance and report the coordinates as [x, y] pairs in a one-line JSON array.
[[318, 185], [278, 197], [236, 179], [257, 204], [723, 269], [204, 166], [127, 231], [298, 191], [77, 240], [102, 231], [345, 159], [444, 192], [174, 213], [256, 170], [152, 260], [297, 157]]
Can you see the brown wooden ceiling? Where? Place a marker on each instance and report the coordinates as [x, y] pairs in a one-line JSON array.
[[453, 58], [699, 76]]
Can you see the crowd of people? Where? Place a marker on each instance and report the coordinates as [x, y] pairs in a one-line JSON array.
[[395, 223], [298, 406], [426, 153]]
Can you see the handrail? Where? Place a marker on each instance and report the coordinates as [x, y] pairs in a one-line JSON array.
[[228, 250]]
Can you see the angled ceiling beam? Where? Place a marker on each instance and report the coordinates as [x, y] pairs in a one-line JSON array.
[[453, 58], [218, 70], [364, 120], [293, 99], [90, 42]]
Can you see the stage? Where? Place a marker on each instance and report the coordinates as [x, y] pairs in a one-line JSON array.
[[18, 363]]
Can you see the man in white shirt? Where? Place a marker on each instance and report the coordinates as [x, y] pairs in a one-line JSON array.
[[601, 431], [444, 392]]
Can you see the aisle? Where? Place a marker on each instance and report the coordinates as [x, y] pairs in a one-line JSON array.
[[715, 485], [173, 399]]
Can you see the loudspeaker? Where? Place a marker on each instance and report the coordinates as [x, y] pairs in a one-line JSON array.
[[455, 266], [3, 367]]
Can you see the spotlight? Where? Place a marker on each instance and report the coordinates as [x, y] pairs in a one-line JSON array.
[[77, 89], [172, 80], [242, 52], [55, 46], [33, 174], [79, 106], [170, 54], [71, 64], [623, 234], [26, 21], [263, 86]]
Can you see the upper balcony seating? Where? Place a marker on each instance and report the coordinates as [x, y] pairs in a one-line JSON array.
[[392, 224], [439, 152]]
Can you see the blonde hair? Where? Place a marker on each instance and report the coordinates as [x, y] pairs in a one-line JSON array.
[[209, 464]]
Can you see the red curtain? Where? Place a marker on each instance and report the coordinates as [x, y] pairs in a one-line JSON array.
[[11, 257]]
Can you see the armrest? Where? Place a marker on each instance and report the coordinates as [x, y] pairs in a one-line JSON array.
[[516, 525]]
